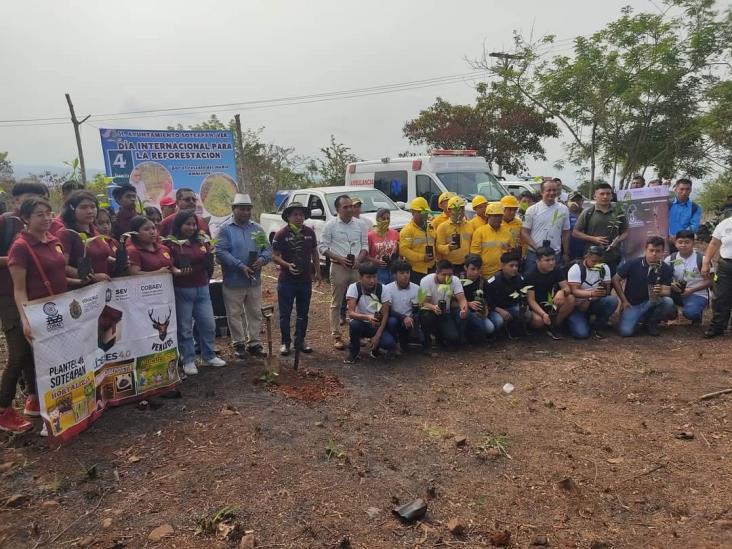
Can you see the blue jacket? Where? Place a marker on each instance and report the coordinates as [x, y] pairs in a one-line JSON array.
[[232, 251], [683, 216]]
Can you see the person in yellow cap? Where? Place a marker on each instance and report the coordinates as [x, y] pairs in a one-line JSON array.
[[510, 206], [454, 236], [442, 203], [479, 204], [491, 240], [417, 240]]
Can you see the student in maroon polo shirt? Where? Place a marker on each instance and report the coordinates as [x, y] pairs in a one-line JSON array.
[[126, 196], [19, 355], [79, 214], [192, 255], [186, 200], [38, 268], [145, 253]]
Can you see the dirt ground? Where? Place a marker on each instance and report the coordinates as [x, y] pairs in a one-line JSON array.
[[599, 445]]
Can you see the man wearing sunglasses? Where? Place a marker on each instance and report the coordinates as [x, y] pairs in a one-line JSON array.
[[185, 200]]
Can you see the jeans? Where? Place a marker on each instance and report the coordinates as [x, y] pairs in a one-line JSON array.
[[383, 276], [195, 304], [692, 307], [358, 329], [644, 311], [477, 327], [289, 293], [404, 335], [602, 309], [497, 320], [445, 327]]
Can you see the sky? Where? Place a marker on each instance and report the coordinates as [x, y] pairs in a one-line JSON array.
[[133, 55]]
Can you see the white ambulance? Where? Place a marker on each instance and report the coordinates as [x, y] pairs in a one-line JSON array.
[[402, 179]]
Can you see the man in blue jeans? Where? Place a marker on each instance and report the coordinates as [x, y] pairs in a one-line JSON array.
[[591, 284], [646, 295], [689, 289], [503, 291], [368, 313], [295, 251], [403, 321], [478, 325]]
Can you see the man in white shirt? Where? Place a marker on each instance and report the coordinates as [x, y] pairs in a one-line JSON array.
[[368, 311], [546, 223], [345, 244], [445, 309], [404, 311], [721, 243], [591, 283], [689, 289]]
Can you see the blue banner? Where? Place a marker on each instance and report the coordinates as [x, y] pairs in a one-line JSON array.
[[157, 162]]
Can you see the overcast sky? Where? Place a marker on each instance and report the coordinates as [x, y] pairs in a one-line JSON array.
[[148, 54]]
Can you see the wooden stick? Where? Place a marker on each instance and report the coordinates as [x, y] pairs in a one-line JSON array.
[[715, 394]]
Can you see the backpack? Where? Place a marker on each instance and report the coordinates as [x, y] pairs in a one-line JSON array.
[[359, 291], [8, 235], [699, 258], [583, 270]]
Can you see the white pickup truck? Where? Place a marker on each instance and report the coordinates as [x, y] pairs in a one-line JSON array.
[[321, 203]]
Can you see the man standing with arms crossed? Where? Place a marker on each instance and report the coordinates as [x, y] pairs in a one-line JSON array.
[[345, 244]]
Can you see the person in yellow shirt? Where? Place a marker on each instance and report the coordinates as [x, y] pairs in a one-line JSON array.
[[479, 204], [445, 214], [417, 240], [454, 236], [510, 206], [491, 240]]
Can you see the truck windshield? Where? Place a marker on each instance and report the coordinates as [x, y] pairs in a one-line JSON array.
[[372, 199], [470, 184]]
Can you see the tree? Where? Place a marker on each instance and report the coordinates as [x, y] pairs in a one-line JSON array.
[[6, 167], [337, 157], [718, 121], [501, 127], [629, 95], [714, 193]]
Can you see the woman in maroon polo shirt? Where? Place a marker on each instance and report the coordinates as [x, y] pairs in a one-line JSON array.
[[38, 268], [192, 255], [87, 252], [145, 253]]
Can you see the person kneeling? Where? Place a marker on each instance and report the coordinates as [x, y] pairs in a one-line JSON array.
[[403, 321], [368, 310], [645, 297], [445, 309], [550, 298], [478, 324], [689, 289], [590, 282], [506, 294]]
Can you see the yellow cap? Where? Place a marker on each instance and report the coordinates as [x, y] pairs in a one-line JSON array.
[[509, 201], [494, 208], [356, 200], [447, 195], [478, 200], [419, 204], [455, 203]]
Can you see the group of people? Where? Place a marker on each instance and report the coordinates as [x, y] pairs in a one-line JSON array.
[[442, 279]]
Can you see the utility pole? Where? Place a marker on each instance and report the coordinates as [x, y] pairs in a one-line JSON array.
[[240, 149], [75, 121], [506, 58]]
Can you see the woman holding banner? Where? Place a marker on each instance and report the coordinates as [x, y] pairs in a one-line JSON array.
[[87, 252], [37, 267], [192, 255]]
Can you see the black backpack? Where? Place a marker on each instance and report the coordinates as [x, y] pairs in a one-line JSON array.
[[699, 259], [359, 291], [583, 270], [8, 236]]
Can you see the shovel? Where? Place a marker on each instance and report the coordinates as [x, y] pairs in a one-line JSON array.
[[298, 342], [267, 312]]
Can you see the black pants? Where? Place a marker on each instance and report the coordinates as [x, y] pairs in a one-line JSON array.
[[20, 356], [722, 295], [444, 327]]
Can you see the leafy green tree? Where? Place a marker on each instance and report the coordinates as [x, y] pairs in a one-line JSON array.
[[6, 167], [714, 193], [336, 158], [718, 121]]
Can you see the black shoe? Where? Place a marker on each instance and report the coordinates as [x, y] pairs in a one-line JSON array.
[[652, 329], [597, 334], [306, 348], [375, 353], [713, 332], [257, 351], [551, 332], [240, 352], [351, 359]]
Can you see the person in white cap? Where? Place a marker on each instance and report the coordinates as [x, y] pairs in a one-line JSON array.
[[243, 250]]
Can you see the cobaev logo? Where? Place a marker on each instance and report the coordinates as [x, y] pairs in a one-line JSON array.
[[75, 309], [54, 319]]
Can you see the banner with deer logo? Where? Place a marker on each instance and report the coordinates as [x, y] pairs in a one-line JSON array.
[[103, 345]]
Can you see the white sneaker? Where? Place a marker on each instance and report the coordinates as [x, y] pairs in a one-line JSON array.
[[216, 362], [44, 431], [189, 368]]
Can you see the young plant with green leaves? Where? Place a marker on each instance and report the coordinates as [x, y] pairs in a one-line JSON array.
[[269, 377], [550, 304], [446, 288], [260, 240]]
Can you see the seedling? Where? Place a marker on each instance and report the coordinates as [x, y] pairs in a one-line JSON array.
[[332, 450], [550, 304], [521, 294], [375, 305], [209, 524], [269, 377], [498, 442], [183, 261], [260, 240], [84, 267]]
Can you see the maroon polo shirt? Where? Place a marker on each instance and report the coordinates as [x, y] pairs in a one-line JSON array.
[[122, 220], [166, 226], [196, 253], [284, 243], [50, 255], [56, 225], [147, 260], [16, 225], [98, 251]]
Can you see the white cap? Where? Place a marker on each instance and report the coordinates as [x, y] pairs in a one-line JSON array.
[[241, 199]]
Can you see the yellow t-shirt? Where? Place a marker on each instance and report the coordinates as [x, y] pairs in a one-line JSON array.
[[490, 245], [444, 238]]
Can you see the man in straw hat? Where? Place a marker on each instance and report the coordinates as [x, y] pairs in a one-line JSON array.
[[243, 250]]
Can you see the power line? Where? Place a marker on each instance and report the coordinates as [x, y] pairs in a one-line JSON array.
[[414, 84]]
